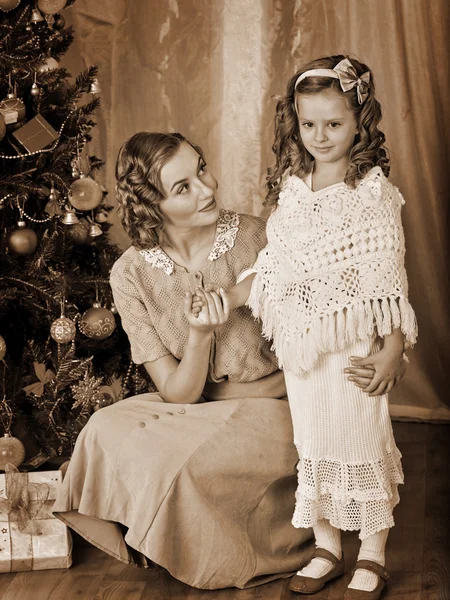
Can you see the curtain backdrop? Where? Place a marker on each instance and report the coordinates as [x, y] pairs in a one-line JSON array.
[[211, 70]]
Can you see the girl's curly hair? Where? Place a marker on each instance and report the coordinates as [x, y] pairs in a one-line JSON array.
[[368, 150], [138, 184]]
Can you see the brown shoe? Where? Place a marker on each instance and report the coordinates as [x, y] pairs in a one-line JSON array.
[[383, 577], [311, 585]]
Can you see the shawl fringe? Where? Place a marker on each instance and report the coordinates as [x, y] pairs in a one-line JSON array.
[[298, 352]]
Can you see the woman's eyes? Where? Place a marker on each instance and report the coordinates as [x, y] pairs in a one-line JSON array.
[[183, 189], [334, 125]]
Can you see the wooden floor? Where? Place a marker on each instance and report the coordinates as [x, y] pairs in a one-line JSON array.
[[418, 553]]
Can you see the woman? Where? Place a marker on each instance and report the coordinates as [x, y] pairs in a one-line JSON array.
[[201, 475]]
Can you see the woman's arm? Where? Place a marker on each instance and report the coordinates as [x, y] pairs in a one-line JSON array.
[[183, 381]]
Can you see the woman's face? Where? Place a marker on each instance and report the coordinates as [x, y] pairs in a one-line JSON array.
[[189, 190]]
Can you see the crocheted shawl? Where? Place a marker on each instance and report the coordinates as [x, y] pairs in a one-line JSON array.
[[333, 269]]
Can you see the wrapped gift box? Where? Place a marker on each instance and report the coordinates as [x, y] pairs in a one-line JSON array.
[[35, 135], [34, 539]]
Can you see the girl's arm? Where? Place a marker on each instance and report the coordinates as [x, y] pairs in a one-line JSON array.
[[239, 293], [183, 381], [388, 365]]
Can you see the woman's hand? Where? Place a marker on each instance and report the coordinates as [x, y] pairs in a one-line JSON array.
[[378, 373], [214, 310]]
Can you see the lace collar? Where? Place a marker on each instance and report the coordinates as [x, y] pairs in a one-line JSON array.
[[227, 228]]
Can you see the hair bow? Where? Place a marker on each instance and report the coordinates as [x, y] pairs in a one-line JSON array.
[[348, 78]]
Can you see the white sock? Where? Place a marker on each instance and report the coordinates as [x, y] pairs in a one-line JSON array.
[[329, 538], [372, 548]]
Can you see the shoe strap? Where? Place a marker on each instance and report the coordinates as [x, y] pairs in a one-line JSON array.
[[374, 567], [326, 554]]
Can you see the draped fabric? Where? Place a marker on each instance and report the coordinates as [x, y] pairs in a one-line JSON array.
[[211, 70]]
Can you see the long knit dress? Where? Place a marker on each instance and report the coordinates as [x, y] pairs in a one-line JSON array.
[[330, 279], [205, 490]]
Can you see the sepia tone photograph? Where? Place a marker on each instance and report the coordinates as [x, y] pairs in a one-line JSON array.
[[224, 300]]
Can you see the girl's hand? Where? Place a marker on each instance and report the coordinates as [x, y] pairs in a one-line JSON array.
[[197, 300], [387, 367], [214, 311]]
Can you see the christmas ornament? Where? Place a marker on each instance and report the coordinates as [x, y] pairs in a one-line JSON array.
[[70, 218], [59, 22], [35, 135], [23, 240], [35, 91], [13, 111], [95, 230], [7, 5], [101, 216], [97, 323], [2, 127], [36, 16], [95, 88], [44, 376], [51, 7], [85, 194], [63, 330], [49, 65], [113, 308], [11, 451], [105, 400], [2, 347], [79, 232]]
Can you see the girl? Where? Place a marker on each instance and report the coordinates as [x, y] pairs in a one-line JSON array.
[[330, 286]]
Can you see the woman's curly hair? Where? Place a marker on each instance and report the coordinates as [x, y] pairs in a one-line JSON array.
[[138, 184], [368, 150]]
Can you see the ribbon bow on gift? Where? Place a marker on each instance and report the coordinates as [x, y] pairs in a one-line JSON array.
[[44, 375], [348, 78], [25, 500]]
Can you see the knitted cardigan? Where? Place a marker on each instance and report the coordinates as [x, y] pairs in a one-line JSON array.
[[333, 269]]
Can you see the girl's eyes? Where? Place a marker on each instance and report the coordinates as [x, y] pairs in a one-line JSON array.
[[202, 169], [332, 125]]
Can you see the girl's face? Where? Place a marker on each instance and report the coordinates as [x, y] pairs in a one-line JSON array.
[[189, 190], [327, 126]]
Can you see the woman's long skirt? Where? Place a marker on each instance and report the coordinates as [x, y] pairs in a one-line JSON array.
[[206, 491]]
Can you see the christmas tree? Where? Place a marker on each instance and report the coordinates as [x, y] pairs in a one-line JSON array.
[[64, 352]]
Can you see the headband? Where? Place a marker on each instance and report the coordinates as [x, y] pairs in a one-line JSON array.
[[348, 78]]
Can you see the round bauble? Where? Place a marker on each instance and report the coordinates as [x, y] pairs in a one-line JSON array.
[[49, 65], [23, 240], [101, 216], [106, 400], [2, 127], [59, 22], [2, 347], [79, 232], [63, 330], [13, 112], [11, 451], [51, 7], [97, 323], [85, 194], [7, 5]]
